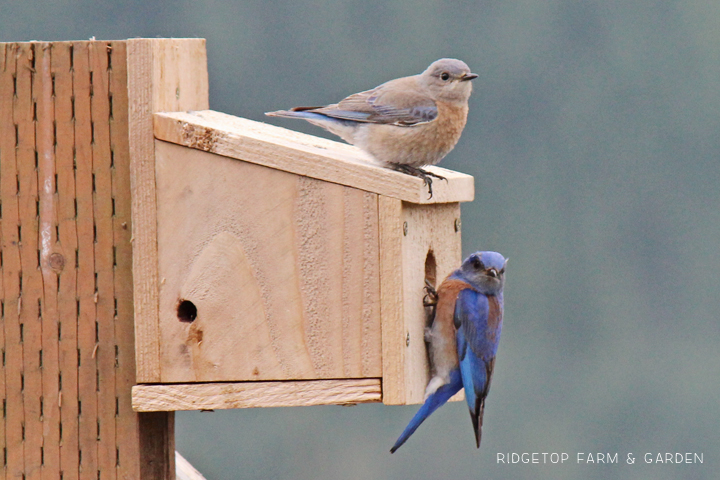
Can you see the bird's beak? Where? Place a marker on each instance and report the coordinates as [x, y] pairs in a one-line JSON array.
[[469, 76], [492, 272]]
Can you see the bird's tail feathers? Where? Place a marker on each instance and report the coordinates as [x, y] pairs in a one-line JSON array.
[[477, 420], [297, 112], [433, 402]]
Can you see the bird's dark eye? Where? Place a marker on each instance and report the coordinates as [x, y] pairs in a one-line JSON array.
[[477, 264], [445, 76]]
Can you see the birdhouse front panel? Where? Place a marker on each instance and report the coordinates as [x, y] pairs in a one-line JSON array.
[[263, 274]]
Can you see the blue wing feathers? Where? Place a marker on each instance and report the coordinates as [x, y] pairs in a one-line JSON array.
[[477, 318], [477, 339]]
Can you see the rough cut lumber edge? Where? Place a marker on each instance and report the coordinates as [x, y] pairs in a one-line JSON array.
[[391, 300], [306, 155], [210, 396], [184, 470], [163, 74]]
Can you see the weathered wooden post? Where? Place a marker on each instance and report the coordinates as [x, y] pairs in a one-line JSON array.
[[157, 256], [69, 115]]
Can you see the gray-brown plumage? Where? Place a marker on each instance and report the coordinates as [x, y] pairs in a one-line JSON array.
[[405, 123]]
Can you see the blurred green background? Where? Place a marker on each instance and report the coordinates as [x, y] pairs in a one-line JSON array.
[[594, 139]]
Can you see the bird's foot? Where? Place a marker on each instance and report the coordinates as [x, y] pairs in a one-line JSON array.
[[420, 173], [431, 296]]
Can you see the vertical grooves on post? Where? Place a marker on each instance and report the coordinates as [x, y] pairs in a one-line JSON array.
[[67, 262], [14, 419], [86, 356], [48, 260], [127, 452], [100, 54], [24, 111]]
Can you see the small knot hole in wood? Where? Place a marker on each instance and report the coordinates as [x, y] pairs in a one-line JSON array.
[[186, 311]]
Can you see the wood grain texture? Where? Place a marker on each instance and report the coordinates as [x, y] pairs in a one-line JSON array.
[[11, 267], [47, 243], [391, 300], [283, 271], [5, 142], [163, 74], [127, 424], [29, 307], [66, 282], [408, 233], [157, 445], [64, 260], [85, 295], [428, 230], [305, 155], [100, 55], [212, 396]]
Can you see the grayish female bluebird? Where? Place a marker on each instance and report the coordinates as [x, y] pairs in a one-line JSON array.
[[405, 123], [464, 338]]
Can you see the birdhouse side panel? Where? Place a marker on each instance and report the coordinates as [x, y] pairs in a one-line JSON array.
[[419, 243], [264, 275], [431, 251]]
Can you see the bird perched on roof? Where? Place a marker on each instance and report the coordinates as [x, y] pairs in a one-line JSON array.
[[405, 123], [463, 338]]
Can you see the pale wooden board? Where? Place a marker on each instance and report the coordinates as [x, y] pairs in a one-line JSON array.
[[283, 270], [211, 396], [408, 233], [43, 90], [391, 300], [66, 248], [87, 313], [11, 268], [163, 74], [304, 155], [31, 280], [428, 229]]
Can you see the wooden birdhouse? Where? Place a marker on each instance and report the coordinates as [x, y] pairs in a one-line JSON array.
[[248, 265], [275, 268]]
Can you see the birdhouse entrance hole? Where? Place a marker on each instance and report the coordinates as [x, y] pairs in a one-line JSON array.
[[186, 311], [430, 268]]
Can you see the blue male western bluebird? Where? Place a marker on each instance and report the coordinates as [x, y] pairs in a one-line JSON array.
[[464, 338], [404, 123]]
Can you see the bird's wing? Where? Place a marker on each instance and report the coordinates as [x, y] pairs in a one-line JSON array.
[[477, 338], [398, 102]]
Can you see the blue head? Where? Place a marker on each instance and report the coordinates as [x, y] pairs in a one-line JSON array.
[[485, 271]]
